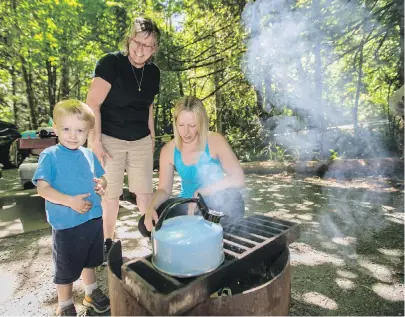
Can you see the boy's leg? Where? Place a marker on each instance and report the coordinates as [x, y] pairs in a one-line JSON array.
[[66, 271], [64, 292], [94, 297], [66, 306]]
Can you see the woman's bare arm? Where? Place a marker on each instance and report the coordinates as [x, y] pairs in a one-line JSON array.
[[98, 91], [234, 176], [166, 174]]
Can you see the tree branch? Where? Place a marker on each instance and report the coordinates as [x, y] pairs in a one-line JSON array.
[[201, 60], [201, 38], [209, 74], [212, 93], [196, 66]]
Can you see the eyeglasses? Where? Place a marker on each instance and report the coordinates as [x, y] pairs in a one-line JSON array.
[[144, 46]]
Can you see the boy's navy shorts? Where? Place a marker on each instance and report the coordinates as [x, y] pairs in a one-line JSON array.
[[77, 248]]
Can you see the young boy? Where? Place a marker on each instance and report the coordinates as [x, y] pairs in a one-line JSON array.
[[70, 178]]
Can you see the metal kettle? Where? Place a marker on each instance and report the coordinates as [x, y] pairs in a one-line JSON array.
[[187, 246], [209, 215]]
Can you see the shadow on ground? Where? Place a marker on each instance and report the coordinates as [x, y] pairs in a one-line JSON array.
[[348, 260]]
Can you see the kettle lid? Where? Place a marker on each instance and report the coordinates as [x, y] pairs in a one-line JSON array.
[[186, 229]]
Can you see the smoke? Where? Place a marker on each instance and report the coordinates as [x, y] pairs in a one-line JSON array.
[[292, 62]]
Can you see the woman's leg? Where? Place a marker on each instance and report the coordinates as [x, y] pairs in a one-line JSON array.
[[142, 201], [114, 174], [139, 166], [110, 214]]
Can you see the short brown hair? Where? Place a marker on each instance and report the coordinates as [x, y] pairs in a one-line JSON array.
[[74, 107], [142, 25]]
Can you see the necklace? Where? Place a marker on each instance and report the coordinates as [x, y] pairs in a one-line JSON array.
[[136, 78]]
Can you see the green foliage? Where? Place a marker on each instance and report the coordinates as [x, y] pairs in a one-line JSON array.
[[48, 50], [333, 155]]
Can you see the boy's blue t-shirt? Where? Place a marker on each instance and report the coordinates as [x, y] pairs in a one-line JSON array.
[[70, 172]]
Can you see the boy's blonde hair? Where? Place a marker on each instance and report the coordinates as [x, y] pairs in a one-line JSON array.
[[195, 105], [74, 107]]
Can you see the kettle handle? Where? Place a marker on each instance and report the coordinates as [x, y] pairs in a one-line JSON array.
[[200, 203]]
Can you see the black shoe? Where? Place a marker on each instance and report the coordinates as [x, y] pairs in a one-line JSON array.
[[107, 247], [67, 311], [98, 301]]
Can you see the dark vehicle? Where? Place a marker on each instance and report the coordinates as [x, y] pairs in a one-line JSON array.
[[10, 156], [45, 132]]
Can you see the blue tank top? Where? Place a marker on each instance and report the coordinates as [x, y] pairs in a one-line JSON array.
[[205, 172]]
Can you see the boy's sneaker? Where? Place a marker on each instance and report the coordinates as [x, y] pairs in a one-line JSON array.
[[107, 247], [97, 300], [67, 311]]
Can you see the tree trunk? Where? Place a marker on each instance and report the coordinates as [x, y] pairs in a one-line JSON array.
[[78, 94], [14, 94], [181, 90], [400, 8], [218, 101], [268, 106], [13, 76], [51, 72], [318, 62], [166, 118], [358, 90], [259, 103], [64, 84], [156, 115], [30, 94]]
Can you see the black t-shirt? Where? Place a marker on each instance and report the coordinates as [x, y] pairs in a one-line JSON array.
[[125, 110]]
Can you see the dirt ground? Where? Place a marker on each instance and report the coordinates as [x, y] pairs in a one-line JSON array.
[[349, 259]]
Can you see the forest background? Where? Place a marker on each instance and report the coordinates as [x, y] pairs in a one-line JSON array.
[[281, 79]]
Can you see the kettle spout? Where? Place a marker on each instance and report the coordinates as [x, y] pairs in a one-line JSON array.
[[209, 215]]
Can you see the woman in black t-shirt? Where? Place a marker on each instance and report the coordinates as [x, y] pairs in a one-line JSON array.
[[121, 96]]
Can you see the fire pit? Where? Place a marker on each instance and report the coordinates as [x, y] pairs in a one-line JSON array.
[[256, 269]]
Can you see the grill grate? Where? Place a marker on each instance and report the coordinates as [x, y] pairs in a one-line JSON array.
[[249, 241]]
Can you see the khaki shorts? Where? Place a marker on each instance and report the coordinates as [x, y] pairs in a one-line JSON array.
[[136, 158]]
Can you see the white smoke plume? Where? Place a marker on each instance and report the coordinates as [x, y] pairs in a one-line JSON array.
[[280, 62]]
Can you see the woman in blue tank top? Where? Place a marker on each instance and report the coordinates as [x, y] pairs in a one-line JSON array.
[[205, 163]]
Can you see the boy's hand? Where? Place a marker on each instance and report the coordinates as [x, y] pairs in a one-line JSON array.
[[79, 204], [100, 186]]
